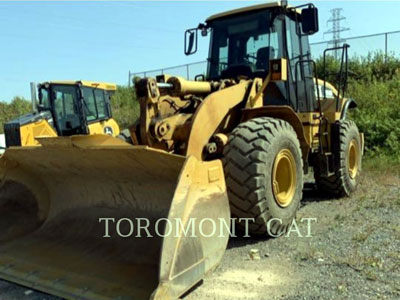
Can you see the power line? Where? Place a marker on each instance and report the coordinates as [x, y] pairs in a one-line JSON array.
[[336, 29]]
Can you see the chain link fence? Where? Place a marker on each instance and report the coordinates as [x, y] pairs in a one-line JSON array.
[[387, 43], [187, 71]]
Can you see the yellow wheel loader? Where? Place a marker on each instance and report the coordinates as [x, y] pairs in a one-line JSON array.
[[80, 216], [65, 108]]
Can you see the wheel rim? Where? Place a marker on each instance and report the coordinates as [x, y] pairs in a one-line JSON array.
[[284, 178], [353, 159]]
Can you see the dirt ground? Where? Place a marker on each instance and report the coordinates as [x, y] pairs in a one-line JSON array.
[[354, 252]]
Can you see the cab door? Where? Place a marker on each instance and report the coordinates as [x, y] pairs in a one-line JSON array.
[[300, 73], [67, 112], [98, 112]]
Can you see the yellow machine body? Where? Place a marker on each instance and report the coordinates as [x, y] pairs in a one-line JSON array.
[[42, 128], [25, 130], [100, 127], [52, 198], [30, 132]]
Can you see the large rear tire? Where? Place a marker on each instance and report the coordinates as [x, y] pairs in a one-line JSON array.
[[264, 174], [348, 156]]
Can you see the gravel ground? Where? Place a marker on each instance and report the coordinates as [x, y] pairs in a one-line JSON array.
[[353, 252]]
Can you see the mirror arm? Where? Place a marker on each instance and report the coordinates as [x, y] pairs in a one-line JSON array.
[[308, 6], [203, 28]]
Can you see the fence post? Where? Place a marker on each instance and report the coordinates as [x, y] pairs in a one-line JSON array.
[[386, 47], [129, 79]]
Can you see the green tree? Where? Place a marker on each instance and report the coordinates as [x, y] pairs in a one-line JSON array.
[[9, 111], [125, 106]]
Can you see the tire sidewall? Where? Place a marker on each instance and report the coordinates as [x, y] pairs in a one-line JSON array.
[[283, 140], [351, 135]]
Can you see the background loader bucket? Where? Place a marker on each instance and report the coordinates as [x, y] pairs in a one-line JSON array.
[[51, 200]]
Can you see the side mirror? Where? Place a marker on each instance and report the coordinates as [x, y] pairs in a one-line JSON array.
[[309, 20], [191, 41]]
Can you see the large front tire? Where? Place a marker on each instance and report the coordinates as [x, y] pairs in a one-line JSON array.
[[348, 156], [264, 174]]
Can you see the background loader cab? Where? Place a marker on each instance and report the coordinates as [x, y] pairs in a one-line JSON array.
[[65, 108]]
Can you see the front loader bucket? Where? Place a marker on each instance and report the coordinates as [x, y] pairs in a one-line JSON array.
[[67, 210]]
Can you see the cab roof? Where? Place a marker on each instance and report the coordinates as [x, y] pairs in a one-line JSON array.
[[93, 84], [244, 9]]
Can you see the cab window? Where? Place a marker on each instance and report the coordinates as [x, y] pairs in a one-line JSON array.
[[44, 98], [90, 104], [101, 103], [293, 45], [65, 108], [244, 45], [95, 104]]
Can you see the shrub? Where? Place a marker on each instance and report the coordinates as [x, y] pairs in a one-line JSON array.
[[378, 113], [374, 82], [9, 111], [125, 106]]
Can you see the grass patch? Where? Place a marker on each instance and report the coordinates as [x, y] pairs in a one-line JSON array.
[[361, 237], [388, 164]]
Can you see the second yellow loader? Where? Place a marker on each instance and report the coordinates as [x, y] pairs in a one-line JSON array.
[[65, 108]]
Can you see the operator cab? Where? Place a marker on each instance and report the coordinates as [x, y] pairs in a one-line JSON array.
[[74, 105], [62, 101], [242, 45], [244, 41]]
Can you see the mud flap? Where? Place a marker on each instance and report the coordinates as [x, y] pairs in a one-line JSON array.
[[55, 200]]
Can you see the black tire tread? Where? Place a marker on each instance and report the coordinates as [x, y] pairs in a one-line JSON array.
[[336, 184], [243, 165]]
